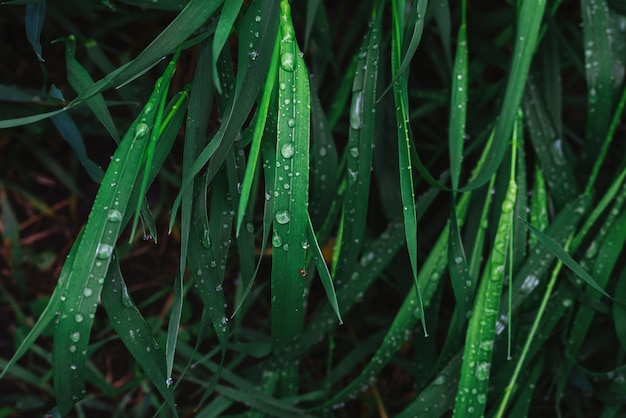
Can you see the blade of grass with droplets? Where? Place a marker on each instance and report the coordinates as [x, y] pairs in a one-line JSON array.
[[80, 80], [599, 73], [600, 161], [134, 332], [401, 100], [222, 32], [552, 246], [549, 149], [92, 260], [195, 131], [259, 128], [457, 262], [359, 149], [254, 57], [205, 252], [291, 194], [479, 343], [528, 24], [538, 206], [154, 135]]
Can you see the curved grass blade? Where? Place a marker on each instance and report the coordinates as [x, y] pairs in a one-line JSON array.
[[222, 32], [562, 255], [359, 150], [481, 333], [92, 260], [322, 269], [407, 191], [69, 131], [80, 80], [135, 332], [599, 69], [530, 17], [551, 150], [35, 16], [257, 136], [195, 131], [154, 135], [291, 194]]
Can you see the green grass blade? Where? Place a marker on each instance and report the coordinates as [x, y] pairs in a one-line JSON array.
[[407, 191], [322, 269], [478, 351], [80, 80], [195, 129], [551, 150], [259, 128], [35, 16], [135, 332], [291, 184], [222, 32], [158, 124], [528, 24], [359, 151], [562, 255], [70, 132], [92, 260], [599, 73]]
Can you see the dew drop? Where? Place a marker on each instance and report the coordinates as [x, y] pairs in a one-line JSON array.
[[75, 337], [88, 291], [79, 318], [354, 152], [356, 111], [288, 61], [291, 122], [114, 216], [141, 130], [288, 150], [283, 216], [104, 251], [276, 240]]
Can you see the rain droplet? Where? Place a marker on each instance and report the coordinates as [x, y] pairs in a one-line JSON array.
[[114, 216], [87, 291], [356, 111], [354, 152], [141, 130], [104, 251], [288, 150], [79, 318], [291, 122], [288, 61], [557, 152], [283, 216], [75, 336], [276, 240], [126, 300]]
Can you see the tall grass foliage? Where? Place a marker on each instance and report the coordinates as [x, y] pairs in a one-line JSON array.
[[382, 208]]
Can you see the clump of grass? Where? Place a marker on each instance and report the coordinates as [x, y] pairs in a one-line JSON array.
[[335, 256]]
